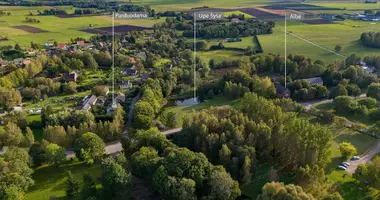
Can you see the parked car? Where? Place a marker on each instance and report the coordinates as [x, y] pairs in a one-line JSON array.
[[342, 167], [355, 158], [346, 164]]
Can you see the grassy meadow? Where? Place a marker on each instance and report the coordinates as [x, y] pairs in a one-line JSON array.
[[57, 29], [345, 34], [189, 110], [50, 181]]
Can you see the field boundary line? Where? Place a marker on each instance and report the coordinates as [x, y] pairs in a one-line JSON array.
[[313, 43]]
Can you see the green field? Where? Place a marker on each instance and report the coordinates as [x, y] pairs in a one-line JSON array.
[[188, 111], [326, 35], [56, 102], [348, 5], [237, 12], [57, 29], [220, 55], [180, 5], [51, 181]]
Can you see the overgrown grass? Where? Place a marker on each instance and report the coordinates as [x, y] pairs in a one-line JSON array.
[[50, 181]]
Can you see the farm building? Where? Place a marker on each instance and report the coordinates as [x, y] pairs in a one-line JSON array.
[[131, 72], [281, 91], [314, 81], [370, 1], [89, 102], [125, 85], [120, 98], [71, 76]]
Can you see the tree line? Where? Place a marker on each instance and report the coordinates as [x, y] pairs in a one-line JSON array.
[[239, 139], [371, 39]]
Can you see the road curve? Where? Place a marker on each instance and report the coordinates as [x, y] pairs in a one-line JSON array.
[[364, 159]]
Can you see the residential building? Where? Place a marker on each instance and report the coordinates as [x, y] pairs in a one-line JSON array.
[[80, 43], [125, 84], [19, 62], [100, 101], [131, 72], [111, 108], [369, 69], [328, 16], [3, 63], [73, 76], [72, 48], [27, 62], [314, 80], [62, 46], [142, 55], [281, 91], [145, 77], [120, 98], [235, 20], [370, 1], [89, 102], [16, 108]]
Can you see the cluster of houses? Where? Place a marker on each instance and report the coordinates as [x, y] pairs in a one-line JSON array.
[[357, 16], [331, 17], [20, 62], [364, 17], [90, 101], [366, 67]]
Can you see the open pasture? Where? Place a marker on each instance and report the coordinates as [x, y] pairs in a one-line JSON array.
[[345, 33], [54, 28]]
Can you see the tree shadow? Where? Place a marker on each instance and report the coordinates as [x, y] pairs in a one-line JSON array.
[[333, 164]]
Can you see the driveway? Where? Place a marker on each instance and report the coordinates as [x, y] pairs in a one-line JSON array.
[[364, 159]]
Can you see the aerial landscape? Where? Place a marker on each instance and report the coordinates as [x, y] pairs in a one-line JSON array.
[[190, 99]]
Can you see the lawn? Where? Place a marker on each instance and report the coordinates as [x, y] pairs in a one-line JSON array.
[[51, 181], [57, 102], [353, 118], [189, 110], [93, 77], [37, 131], [220, 55], [326, 35]]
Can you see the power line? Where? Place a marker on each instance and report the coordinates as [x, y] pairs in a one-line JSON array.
[[313, 43]]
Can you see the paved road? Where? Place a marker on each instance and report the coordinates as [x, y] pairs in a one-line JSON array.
[[309, 104], [130, 114], [364, 159]]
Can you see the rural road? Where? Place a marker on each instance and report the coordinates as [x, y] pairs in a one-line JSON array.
[[309, 104], [363, 160], [115, 148]]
